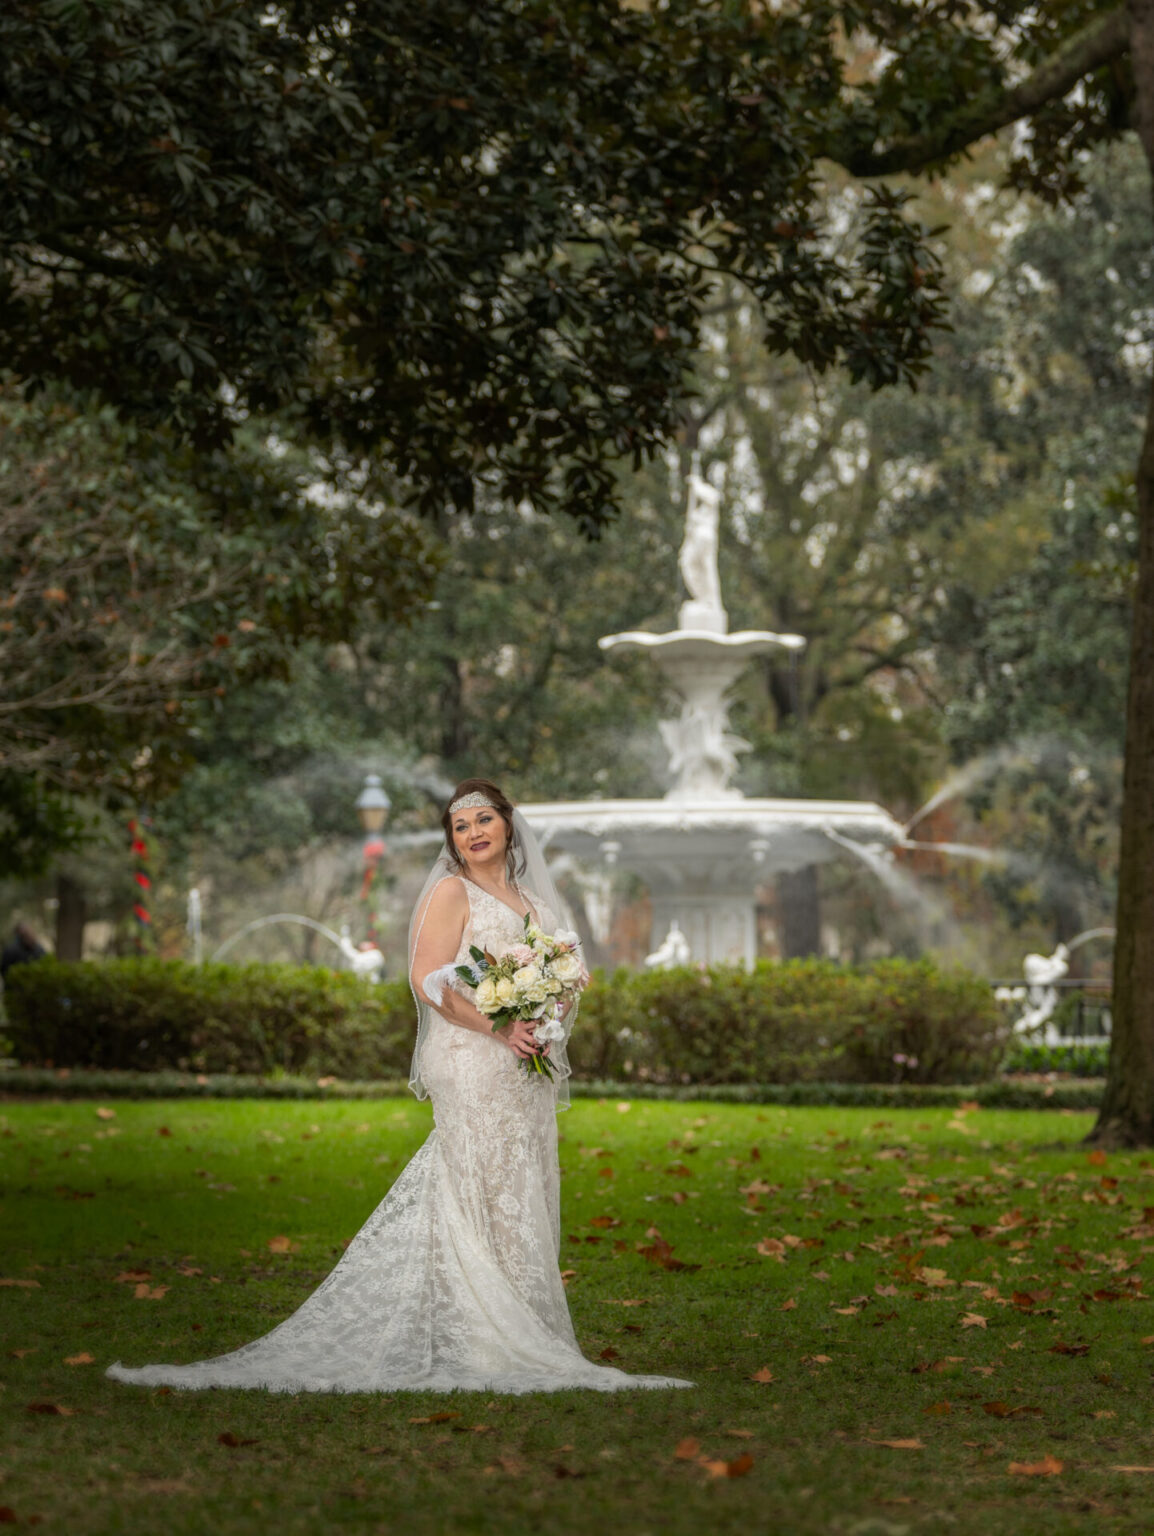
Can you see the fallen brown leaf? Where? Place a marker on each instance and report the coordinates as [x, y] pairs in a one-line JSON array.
[[1000, 1410], [938, 1408], [128, 1276], [687, 1449], [737, 1468], [436, 1418], [1132, 1469], [232, 1441], [610, 1353], [146, 1292], [282, 1244], [84, 1359], [974, 1320], [25, 1285], [763, 1375], [899, 1445], [788, 1306], [56, 1410], [1096, 1159], [1049, 1466], [104, 1113], [661, 1252], [1062, 1348]]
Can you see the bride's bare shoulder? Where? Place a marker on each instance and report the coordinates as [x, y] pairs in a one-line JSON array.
[[447, 900]]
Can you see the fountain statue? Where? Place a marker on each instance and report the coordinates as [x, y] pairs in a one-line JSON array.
[[1043, 975], [704, 849], [698, 558], [673, 950]]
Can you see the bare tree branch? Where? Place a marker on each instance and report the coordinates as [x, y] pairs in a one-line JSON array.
[[1105, 38]]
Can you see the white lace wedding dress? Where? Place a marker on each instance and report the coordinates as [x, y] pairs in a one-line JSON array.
[[453, 1282]]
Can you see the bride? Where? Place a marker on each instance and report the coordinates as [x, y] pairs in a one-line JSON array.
[[453, 1282]]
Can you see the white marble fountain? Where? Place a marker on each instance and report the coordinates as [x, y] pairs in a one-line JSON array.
[[704, 849]]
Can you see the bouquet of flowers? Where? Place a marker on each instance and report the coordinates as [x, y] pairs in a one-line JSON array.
[[533, 979]]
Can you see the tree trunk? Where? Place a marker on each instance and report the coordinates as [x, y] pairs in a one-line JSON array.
[[454, 728], [1127, 1114], [71, 915], [800, 907]]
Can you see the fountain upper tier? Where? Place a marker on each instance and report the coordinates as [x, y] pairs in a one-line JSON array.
[[702, 665], [702, 659]]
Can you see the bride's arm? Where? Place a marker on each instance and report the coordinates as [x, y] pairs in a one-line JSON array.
[[440, 938]]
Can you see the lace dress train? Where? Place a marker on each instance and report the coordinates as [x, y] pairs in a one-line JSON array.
[[453, 1282]]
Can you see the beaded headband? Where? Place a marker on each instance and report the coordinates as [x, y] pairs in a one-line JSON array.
[[476, 798]]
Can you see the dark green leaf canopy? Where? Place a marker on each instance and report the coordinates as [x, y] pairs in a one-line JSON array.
[[475, 235]]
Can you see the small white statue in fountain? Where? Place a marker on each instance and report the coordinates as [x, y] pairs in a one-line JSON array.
[[673, 950], [1041, 973], [367, 962], [698, 558]]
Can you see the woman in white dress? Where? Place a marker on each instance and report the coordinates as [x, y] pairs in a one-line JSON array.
[[453, 1282]]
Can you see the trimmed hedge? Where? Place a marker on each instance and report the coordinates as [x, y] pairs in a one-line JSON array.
[[797, 1021], [1087, 1060], [158, 1014], [805, 1021], [1007, 1093]]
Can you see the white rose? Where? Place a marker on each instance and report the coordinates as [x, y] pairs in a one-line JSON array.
[[566, 968], [505, 991], [486, 995], [527, 977]]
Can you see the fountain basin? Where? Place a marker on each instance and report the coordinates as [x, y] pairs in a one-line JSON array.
[[702, 860]]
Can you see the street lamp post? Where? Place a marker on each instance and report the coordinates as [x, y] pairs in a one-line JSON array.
[[372, 809]]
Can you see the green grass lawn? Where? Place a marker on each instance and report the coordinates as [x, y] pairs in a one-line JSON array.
[[884, 1313]]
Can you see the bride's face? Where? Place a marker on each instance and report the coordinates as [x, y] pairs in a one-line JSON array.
[[480, 838]]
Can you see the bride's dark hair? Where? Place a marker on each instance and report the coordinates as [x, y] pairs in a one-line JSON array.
[[501, 804]]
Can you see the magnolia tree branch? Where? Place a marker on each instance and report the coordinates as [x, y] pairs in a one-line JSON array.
[[1105, 38]]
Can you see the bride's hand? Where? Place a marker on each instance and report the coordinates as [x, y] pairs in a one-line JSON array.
[[518, 1036]]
